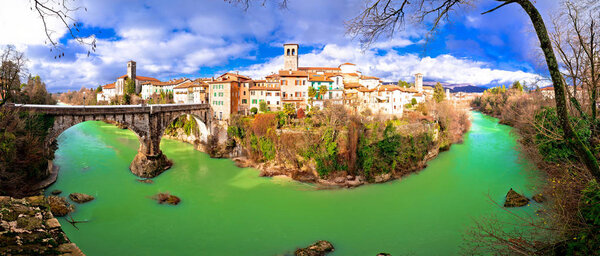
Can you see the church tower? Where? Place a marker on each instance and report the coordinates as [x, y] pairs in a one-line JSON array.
[[131, 75], [290, 57], [419, 82], [131, 70]]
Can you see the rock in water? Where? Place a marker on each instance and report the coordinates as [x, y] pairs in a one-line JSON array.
[[514, 199], [59, 206], [80, 198], [539, 198], [320, 248], [147, 181], [166, 198], [56, 192]]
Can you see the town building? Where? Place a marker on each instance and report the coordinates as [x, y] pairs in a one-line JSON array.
[[224, 94]]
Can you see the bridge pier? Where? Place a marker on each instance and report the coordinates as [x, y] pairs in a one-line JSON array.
[[150, 161]]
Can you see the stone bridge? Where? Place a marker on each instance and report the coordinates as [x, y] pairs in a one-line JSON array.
[[148, 122]]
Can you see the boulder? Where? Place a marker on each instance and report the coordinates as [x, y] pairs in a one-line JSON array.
[[319, 248], [52, 223], [166, 198], [514, 199], [80, 198], [56, 192], [59, 206], [539, 198]]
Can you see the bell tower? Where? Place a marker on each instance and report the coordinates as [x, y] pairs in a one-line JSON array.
[[290, 57], [419, 82], [131, 70]]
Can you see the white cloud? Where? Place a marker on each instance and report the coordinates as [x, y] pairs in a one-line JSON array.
[[20, 25], [179, 38], [392, 66]]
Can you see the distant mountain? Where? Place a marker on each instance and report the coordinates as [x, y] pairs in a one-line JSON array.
[[457, 87], [465, 87], [468, 88]]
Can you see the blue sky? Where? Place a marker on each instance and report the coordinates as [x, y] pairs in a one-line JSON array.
[[171, 39]]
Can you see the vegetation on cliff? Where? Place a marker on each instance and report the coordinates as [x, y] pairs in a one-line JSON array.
[[335, 142]]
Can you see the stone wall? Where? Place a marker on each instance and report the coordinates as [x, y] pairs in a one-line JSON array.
[[27, 227]]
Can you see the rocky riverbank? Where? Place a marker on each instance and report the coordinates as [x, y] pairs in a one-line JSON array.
[[27, 227], [338, 180]]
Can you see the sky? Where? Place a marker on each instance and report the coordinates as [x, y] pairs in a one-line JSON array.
[[204, 38]]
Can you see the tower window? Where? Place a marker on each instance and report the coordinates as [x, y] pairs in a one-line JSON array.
[[288, 52], [293, 52]]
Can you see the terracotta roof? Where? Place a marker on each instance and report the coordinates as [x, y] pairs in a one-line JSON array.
[[547, 88], [284, 73], [348, 63], [351, 74], [109, 86], [427, 88], [319, 78], [369, 77], [188, 84], [351, 85], [364, 89], [142, 78], [235, 75], [272, 76], [418, 94], [273, 88], [167, 83], [220, 82]]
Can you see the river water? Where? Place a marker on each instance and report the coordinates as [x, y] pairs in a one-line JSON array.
[[226, 210]]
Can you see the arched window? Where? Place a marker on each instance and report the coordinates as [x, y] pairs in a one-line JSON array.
[[293, 52], [288, 52]]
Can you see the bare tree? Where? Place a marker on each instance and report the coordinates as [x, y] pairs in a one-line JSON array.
[[383, 17], [577, 42], [62, 10], [12, 68]]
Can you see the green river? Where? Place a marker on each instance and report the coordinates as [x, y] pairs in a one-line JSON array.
[[226, 210]]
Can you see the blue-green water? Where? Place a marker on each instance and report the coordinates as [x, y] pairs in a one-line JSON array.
[[227, 210]]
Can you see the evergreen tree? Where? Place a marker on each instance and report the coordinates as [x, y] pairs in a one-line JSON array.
[[438, 92]]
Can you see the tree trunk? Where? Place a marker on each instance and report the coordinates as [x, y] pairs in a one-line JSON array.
[[559, 90]]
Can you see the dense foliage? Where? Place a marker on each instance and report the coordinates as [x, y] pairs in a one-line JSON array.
[[24, 157]]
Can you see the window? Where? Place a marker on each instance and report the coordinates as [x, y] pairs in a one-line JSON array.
[[244, 101], [276, 94], [268, 94], [252, 93], [215, 94], [244, 93], [268, 103], [293, 52], [253, 101]]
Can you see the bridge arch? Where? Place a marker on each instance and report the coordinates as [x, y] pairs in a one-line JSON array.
[[148, 122], [203, 129]]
